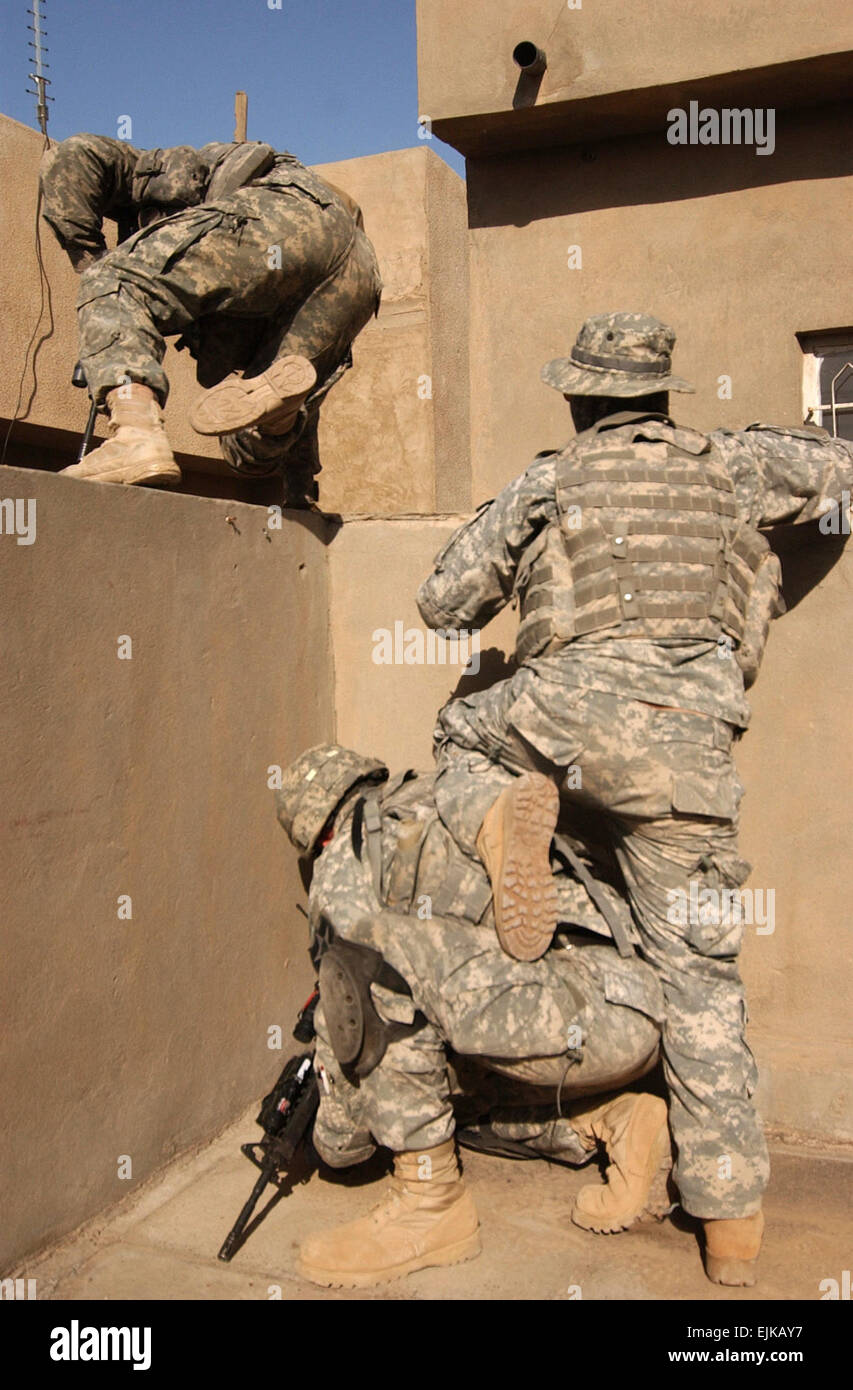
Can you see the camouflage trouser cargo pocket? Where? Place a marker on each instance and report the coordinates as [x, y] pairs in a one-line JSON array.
[[100, 328], [682, 875], [341, 1135], [116, 339], [710, 786], [615, 1034], [714, 908]]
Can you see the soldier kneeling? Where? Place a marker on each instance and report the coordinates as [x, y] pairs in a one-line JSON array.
[[414, 983]]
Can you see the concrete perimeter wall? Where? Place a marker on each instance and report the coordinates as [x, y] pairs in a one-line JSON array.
[[145, 777], [394, 436]]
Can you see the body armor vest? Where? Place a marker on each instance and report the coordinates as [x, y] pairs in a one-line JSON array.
[[646, 543]]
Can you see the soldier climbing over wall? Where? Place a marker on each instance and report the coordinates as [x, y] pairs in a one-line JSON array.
[[261, 266], [646, 591]]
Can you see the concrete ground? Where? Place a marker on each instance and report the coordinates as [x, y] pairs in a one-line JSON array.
[[161, 1243]]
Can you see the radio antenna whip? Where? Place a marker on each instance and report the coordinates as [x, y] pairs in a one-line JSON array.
[[40, 83], [36, 43]]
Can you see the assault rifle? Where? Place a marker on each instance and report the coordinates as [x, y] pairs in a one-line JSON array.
[[286, 1117]]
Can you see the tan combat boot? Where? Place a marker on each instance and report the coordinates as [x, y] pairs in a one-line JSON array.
[[635, 1133], [731, 1249], [514, 844], [428, 1218], [271, 401], [137, 451]]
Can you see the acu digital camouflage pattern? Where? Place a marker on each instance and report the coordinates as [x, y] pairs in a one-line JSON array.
[[581, 1016], [647, 544], [211, 273], [313, 787], [617, 355], [657, 787], [778, 475], [168, 180]]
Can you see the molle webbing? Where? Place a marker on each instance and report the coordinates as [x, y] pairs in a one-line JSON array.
[[651, 545], [544, 586], [646, 543]]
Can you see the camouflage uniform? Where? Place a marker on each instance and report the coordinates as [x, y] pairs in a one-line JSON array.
[[276, 267], [658, 789], [581, 1020]]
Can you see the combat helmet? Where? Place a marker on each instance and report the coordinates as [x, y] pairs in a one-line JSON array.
[[314, 786]]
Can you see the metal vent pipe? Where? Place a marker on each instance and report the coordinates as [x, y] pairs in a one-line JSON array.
[[529, 58]]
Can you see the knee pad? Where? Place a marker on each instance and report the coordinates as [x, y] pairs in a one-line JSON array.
[[358, 1035]]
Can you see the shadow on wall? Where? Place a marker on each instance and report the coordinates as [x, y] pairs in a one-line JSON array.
[[807, 556], [517, 189], [495, 666]]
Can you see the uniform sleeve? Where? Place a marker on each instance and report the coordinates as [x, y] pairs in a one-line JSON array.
[[473, 575], [340, 887], [83, 180], [783, 474], [764, 604]]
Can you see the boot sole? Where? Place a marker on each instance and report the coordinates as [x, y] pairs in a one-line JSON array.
[[142, 475], [454, 1254], [526, 899], [656, 1203], [725, 1270], [238, 402]]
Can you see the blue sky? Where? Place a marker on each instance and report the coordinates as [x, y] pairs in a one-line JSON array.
[[327, 79]]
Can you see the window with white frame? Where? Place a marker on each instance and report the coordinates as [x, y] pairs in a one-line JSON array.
[[828, 380]]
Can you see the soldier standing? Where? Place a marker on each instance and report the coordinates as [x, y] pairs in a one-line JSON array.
[[263, 269], [646, 592]]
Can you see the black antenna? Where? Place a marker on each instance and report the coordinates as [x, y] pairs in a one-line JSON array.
[[36, 43]]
